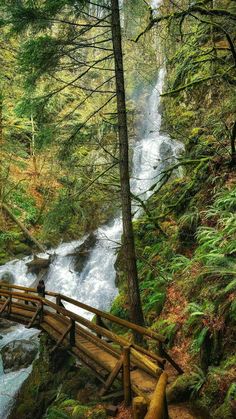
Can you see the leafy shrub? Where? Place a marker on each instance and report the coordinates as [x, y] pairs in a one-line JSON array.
[[166, 328]]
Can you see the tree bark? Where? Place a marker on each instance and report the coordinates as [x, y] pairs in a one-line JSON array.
[[1, 144], [136, 313], [233, 148]]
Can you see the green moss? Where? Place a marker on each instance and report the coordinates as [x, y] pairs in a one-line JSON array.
[[225, 411], [181, 389], [4, 258], [119, 307], [79, 412], [97, 413]]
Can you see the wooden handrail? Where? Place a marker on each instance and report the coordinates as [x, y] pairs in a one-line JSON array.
[[75, 325], [125, 323], [153, 369], [139, 329], [28, 295], [20, 287], [21, 295]]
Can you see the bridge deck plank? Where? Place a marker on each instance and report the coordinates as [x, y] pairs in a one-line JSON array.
[[97, 358]]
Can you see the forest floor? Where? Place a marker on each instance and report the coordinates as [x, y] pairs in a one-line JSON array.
[[176, 411]]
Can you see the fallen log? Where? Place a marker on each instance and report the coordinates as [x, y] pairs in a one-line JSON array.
[[22, 227]]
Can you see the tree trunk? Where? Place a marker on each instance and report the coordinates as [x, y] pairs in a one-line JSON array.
[[128, 236], [32, 144], [233, 147], [1, 145]]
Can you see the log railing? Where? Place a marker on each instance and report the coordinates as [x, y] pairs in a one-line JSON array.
[[126, 352]]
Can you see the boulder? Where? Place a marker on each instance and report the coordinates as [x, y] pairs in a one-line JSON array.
[[82, 252], [7, 277], [6, 324], [180, 390], [38, 264], [18, 354]]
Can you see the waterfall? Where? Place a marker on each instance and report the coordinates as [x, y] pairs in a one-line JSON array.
[[95, 285]]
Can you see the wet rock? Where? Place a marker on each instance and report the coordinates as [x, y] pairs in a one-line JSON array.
[[82, 252], [38, 264], [6, 324], [7, 277], [166, 152], [18, 354]]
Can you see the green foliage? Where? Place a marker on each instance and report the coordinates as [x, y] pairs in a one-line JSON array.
[[179, 263], [188, 224], [55, 413], [8, 236], [24, 204], [119, 306], [38, 56], [153, 293], [167, 328], [199, 379]]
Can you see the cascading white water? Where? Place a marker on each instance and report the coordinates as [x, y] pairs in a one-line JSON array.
[[12, 381], [95, 285]]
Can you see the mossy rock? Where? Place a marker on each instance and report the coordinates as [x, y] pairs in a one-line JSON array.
[[55, 413], [4, 258], [180, 390], [98, 413], [79, 412], [20, 249], [226, 411]]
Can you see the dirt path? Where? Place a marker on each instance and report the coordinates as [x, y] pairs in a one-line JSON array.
[[182, 411]]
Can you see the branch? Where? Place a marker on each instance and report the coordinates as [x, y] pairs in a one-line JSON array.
[[83, 101], [93, 181], [183, 14], [89, 117], [186, 86], [146, 210]]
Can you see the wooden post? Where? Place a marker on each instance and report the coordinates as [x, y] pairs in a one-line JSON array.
[[5, 305], [26, 301], [112, 376], [9, 305], [164, 354], [58, 301], [166, 413], [61, 338], [157, 407], [99, 323], [172, 362], [139, 407], [72, 333], [126, 375], [36, 314], [41, 313]]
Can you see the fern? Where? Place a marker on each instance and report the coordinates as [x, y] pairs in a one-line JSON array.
[[154, 301], [199, 379]]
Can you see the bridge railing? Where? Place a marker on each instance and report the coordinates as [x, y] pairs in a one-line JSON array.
[[127, 352], [100, 328]]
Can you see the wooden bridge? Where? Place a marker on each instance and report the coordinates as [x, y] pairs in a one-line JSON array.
[[109, 356]]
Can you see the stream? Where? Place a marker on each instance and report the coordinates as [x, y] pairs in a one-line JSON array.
[[95, 284]]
